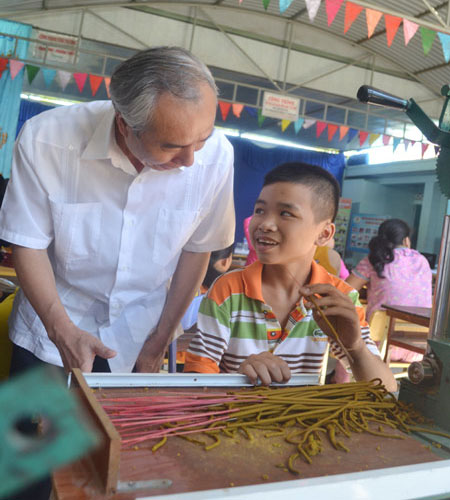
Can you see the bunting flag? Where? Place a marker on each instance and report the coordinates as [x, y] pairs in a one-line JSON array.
[[445, 42], [397, 141], [32, 71], [63, 78], [237, 109], [298, 125], [80, 80], [15, 67], [437, 149], [320, 127], [49, 75], [409, 30], [343, 131], [352, 11], [424, 147], [251, 111], [95, 82], [372, 17], [428, 37], [412, 143], [261, 118], [285, 124], [406, 142], [284, 5], [386, 139], [107, 81], [266, 4], [392, 24], [363, 137], [309, 122], [332, 129], [3, 65], [312, 6], [352, 133], [373, 138], [224, 109], [332, 7]]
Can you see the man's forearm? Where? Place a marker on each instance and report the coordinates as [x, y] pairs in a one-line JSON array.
[[37, 281], [186, 281]]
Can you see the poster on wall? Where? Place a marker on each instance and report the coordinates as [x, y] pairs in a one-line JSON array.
[[280, 106], [341, 223], [55, 48], [363, 227]]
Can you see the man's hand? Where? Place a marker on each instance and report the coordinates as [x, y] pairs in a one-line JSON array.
[[267, 367], [340, 312], [79, 348], [151, 357]]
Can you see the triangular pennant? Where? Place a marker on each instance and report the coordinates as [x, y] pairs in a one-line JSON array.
[[251, 111], [352, 11], [437, 149], [285, 124], [406, 142], [309, 122], [372, 17], [32, 71], [373, 138], [224, 109], [392, 24], [428, 37], [352, 133], [266, 4], [107, 81], [237, 109], [261, 118], [95, 82], [397, 141], [320, 127], [312, 7], [412, 143], [298, 124], [63, 78], [409, 30], [15, 67], [80, 80], [386, 139], [343, 131], [49, 75], [3, 65], [284, 5], [424, 147], [332, 7], [332, 129], [445, 42], [363, 137]]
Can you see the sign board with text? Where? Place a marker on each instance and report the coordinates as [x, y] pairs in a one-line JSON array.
[[280, 106]]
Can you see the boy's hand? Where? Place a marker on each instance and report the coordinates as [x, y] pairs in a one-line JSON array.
[[267, 367], [340, 312]]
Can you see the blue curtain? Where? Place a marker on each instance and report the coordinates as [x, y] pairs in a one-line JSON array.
[[252, 162], [27, 110], [10, 90]]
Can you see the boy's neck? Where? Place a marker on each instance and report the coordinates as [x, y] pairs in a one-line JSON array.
[[286, 277]]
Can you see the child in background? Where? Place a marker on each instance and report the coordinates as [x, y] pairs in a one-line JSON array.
[[259, 321], [251, 257]]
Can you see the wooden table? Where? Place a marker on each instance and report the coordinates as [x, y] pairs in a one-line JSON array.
[[415, 341]]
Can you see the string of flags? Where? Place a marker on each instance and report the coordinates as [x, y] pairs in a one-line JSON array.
[[373, 18], [60, 76], [365, 137]]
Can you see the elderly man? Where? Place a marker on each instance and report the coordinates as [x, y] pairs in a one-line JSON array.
[[112, 210]]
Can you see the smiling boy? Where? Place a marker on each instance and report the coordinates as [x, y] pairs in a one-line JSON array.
[[258, 321]]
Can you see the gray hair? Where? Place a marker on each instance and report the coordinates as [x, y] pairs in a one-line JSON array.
[[137, 83]]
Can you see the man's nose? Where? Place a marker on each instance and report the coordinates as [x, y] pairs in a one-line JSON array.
[[186, 156]]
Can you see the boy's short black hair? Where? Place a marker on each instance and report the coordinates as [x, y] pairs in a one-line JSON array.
[[323, 184]]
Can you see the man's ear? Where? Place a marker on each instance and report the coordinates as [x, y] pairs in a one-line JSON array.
[[325, 234], [121, 125]]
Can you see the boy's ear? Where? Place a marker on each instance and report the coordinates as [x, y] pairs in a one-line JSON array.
[[326, 234]]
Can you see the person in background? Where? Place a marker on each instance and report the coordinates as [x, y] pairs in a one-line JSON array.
[[110, 202], [251, 257], [327, 257], [394, 274], [259, 320]]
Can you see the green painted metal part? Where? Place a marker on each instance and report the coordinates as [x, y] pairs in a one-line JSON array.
[[27, 455]]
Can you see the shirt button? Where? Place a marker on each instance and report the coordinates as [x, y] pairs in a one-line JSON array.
[[70, 147]]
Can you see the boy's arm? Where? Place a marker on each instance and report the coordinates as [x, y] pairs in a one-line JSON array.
[[342, 314]]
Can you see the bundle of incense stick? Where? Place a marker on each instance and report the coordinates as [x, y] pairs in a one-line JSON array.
[[302, 415]]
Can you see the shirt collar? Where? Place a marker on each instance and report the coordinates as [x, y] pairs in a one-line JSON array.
[[252, 277]]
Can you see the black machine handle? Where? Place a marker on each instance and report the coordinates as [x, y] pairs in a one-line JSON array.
[[376, 96]]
